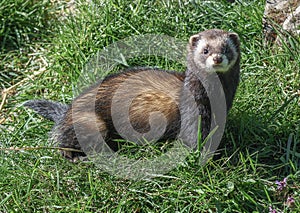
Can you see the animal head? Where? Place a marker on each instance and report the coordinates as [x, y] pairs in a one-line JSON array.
[[215, 50]]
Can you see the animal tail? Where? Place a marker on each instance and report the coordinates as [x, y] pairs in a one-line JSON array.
[[51, 110]]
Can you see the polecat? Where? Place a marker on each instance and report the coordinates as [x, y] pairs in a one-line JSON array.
[[138, 94]]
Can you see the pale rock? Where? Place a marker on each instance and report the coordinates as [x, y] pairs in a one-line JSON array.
[[282, 15]]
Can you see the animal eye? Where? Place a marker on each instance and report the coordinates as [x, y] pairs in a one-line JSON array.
[[205, 51]]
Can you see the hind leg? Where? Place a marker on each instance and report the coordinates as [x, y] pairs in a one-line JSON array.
[[85, 134]]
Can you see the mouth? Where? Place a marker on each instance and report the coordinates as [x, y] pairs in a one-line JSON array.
[[218, 65], [219, 68]]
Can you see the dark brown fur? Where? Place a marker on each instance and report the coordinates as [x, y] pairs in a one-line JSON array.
[[152, 100]]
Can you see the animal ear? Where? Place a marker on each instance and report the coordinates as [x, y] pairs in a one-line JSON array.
[[194, 39], [235, 38]]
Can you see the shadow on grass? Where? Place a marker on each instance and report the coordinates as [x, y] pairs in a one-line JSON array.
[[274, 145]]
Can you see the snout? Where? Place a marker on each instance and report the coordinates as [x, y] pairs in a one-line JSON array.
[[217, 59], [217, 63]]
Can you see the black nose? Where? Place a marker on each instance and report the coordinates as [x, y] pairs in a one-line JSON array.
[[217, 59]]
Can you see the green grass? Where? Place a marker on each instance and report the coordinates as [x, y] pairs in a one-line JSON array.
[[45, 46]]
